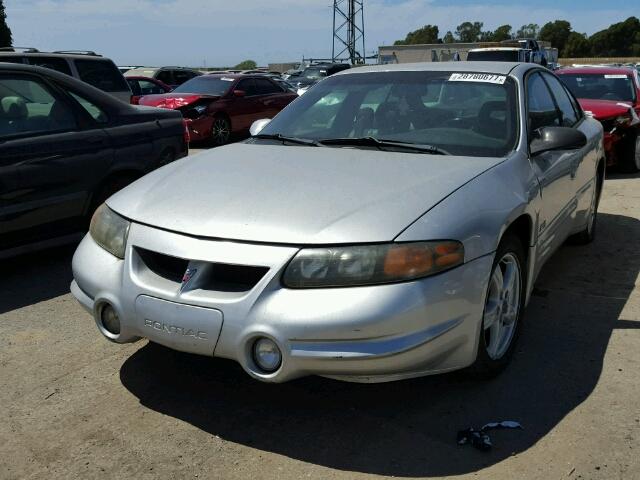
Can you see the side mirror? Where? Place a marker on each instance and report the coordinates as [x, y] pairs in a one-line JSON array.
[[239, 93], [258, 125], [556, 138]]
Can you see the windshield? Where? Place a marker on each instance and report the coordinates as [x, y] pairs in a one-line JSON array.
[[494, 56], [206, 84], [314, 73], [448, 110], [600, 86]]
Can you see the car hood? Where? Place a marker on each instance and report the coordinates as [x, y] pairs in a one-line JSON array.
[[303, 81], [295, 195], [173, 100], [604, 108]]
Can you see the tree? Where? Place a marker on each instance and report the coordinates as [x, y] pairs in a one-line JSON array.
[[619, 40], [448, 38], [246, 65], [469, 32], [5, 31], [557, 33], [503, 32], [528, 31], [426, 34], [577, 45]]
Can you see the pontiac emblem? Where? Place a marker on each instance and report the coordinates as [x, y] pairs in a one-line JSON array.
[[186, 278]]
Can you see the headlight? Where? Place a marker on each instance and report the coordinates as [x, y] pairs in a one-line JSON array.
[[371, 264], [200, 109], [109, 230]]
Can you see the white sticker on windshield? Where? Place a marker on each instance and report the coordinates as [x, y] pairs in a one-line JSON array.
[[227, 79], [477, 77], [616, 76]]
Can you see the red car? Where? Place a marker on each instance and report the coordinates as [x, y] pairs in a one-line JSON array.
[[141, 86], [221, 105], [612, 96]]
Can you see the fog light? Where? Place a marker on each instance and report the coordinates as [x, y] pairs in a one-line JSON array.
[[110, 320], [267, 355]]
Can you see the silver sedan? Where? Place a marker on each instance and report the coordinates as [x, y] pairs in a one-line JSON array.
[[388, 224]]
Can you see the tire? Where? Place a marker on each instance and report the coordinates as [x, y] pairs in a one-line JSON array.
[[630, 154], [501, 328], [587, 235], [166, 157], [109, 188], [220, 131]]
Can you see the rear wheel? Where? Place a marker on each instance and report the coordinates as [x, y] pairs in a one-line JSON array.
[[630, 154], [220, 130], [503, 309]]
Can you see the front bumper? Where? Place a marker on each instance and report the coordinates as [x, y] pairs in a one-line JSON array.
[[366, 334], [200, 128]]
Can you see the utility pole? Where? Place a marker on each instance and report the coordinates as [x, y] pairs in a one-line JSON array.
[[348, 31]]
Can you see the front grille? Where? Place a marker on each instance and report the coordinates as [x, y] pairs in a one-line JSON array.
[[165, 266], [219, 277]]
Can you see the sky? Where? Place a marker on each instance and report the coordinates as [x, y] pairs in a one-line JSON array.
[[224, 32]]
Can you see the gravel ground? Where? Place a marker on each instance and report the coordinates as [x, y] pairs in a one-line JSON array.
[[77, 406]]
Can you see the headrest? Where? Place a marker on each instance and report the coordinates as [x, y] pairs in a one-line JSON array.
[[13, 108]]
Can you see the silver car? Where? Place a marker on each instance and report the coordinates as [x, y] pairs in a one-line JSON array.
[[388, 224]]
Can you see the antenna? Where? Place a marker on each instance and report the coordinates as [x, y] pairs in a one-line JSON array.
[[348, 31]]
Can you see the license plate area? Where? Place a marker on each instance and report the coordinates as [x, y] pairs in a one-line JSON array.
[[187, 328]]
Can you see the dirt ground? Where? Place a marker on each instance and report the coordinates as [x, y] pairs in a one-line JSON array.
[[76, 406]]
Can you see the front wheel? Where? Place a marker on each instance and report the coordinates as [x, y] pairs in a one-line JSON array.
[[503, 309], [220, 131], [630, 155]]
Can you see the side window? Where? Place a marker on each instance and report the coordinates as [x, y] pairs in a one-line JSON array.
[[165, 76], [265, 87], [149, 88], [27, 106], [54, 63], [569, 116], [96, 112], [248, 87], [11, 59], [102, 74], [134, 86], [541, 108], [180, 76]]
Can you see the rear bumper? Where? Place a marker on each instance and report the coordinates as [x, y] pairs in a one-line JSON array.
[[365, 334]]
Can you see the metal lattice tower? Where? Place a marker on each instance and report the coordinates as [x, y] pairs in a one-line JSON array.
[[348, 31]]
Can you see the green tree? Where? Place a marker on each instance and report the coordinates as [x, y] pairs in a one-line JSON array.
[[246, 65], [528, 31], [5, 31], [577, 45], [448, 37], [503, 32], [469, 32], [556, 32], [619, 40], [426, 34]]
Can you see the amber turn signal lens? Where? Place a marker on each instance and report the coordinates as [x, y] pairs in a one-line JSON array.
[[408, 261]]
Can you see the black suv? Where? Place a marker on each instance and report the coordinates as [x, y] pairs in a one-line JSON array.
[[65, 147]]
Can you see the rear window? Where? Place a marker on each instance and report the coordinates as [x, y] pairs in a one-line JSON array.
[[207, 85], [54, 63], [102, 74], [494, 56], [10, 59], [600, 86]]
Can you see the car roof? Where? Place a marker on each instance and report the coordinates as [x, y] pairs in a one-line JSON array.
[[229, 75], [502, 68], [597, 70], [81, 87], [497, 49]]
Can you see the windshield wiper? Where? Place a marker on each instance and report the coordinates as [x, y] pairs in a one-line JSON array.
[[380, 143], [283, 138]]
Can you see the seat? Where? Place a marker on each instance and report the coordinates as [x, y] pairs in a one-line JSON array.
[[60, 117], [14, 114], [491, 121], [364, 122], [389, 119]]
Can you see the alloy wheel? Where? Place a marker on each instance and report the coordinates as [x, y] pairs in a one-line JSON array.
[[220, 131], [503, 306]]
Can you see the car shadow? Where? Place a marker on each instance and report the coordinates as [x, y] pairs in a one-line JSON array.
[[408, 428], [35, 277]]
